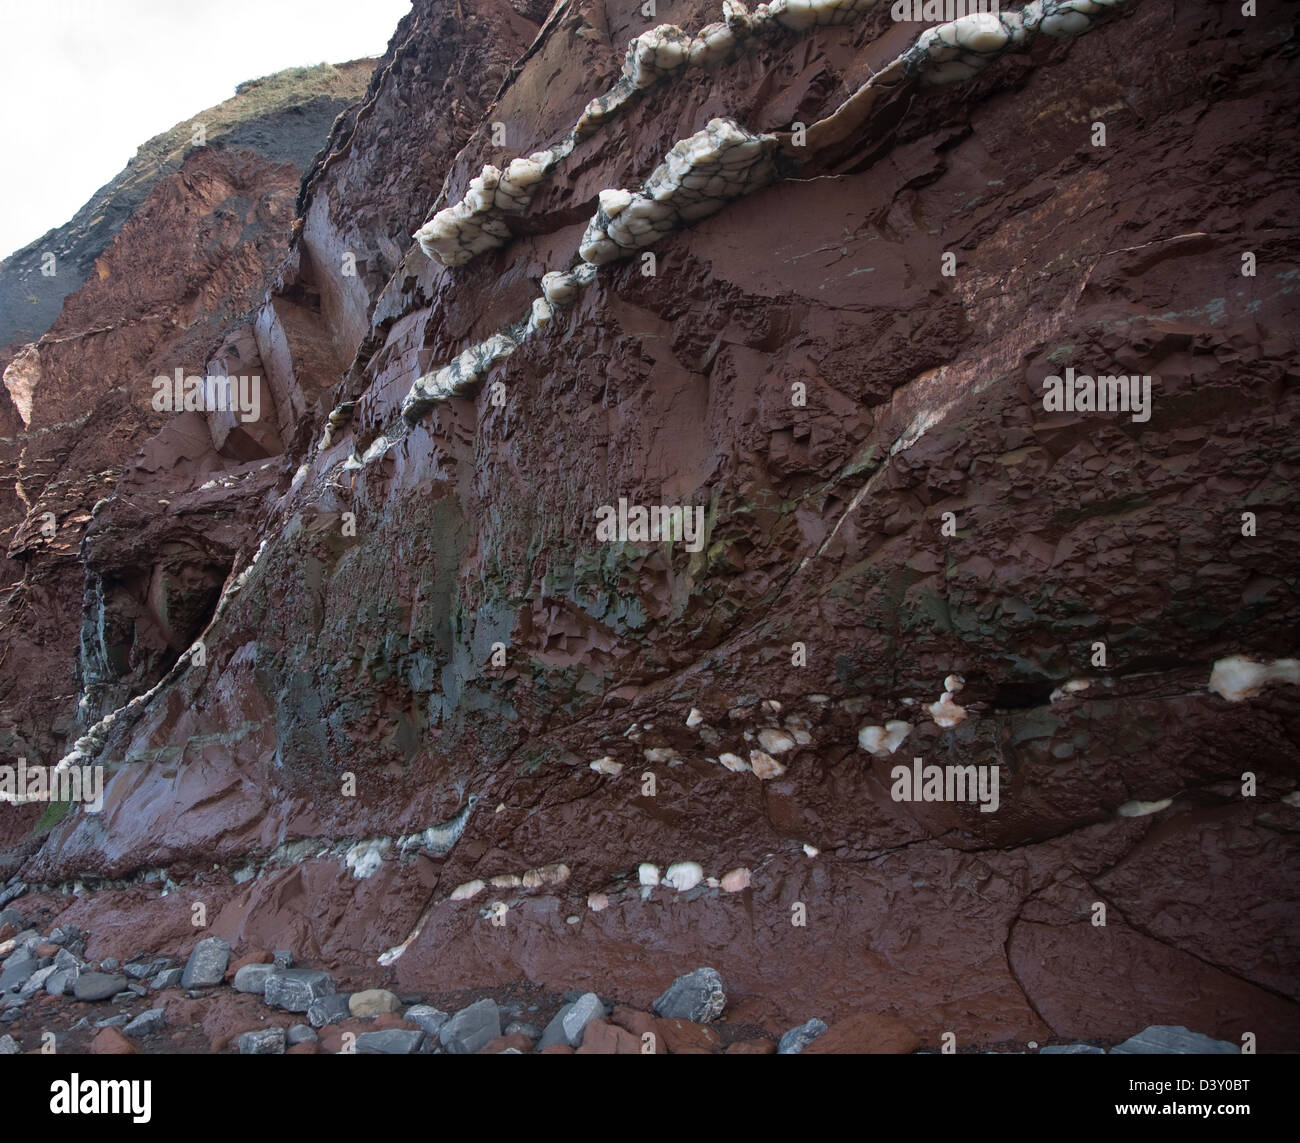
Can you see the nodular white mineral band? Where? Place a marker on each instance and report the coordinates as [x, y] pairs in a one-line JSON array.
[[950, 53], [703, 172]]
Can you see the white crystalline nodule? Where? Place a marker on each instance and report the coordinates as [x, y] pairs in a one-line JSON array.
[[520, 174], [694, 718], [1061, 18], [801, 728], [736, 15], [554, 874], [736, 880], [1237, 678], [734, 762], [653, 54], [607, 765], [1074, 686], [882, 741], [697, 177], [468, 890], [451, 380], [660, 754], [597, 902], [979, 32], [457, 234], [559, 288], [460, 232], [470, 366], [1065, 23], [799, 15], [595, 113], [392, 955], [952, 71], [764, 765], [712, 43], [775, 741], [614, 202], [961, 48], [647, 874], [377, 449], [538, 316], [946, 712], [683, 875], [596, 248], [1142, 809], [364, 859]]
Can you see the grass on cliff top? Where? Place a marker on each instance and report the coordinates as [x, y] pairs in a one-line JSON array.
[[255, 98]]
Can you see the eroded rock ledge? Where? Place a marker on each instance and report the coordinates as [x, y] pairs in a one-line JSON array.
[[917, 561]]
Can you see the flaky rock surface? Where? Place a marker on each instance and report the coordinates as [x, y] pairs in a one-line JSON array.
[[372, 650]]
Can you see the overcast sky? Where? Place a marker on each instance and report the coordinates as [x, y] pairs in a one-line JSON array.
[[84, 82]]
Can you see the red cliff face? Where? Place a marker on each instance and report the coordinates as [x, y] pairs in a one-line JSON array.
[[904, 542], [187, 264]]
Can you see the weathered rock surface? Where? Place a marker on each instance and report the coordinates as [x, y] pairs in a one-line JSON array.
[[831, 593], [1173, 1041], [797, 1040], [295, 989], [373, 1002], [112, 1042], [471, 1028], [207, 963], [697, 996], [300, 1034], [280, 118], [147, 1023], [571, 1021], [262, 1042], [390, 1042], [328, 1010], [151, 276], [430, 1019], [252, 978], [98, 986]]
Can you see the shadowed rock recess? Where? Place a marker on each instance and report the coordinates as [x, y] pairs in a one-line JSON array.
[[952, 696]]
